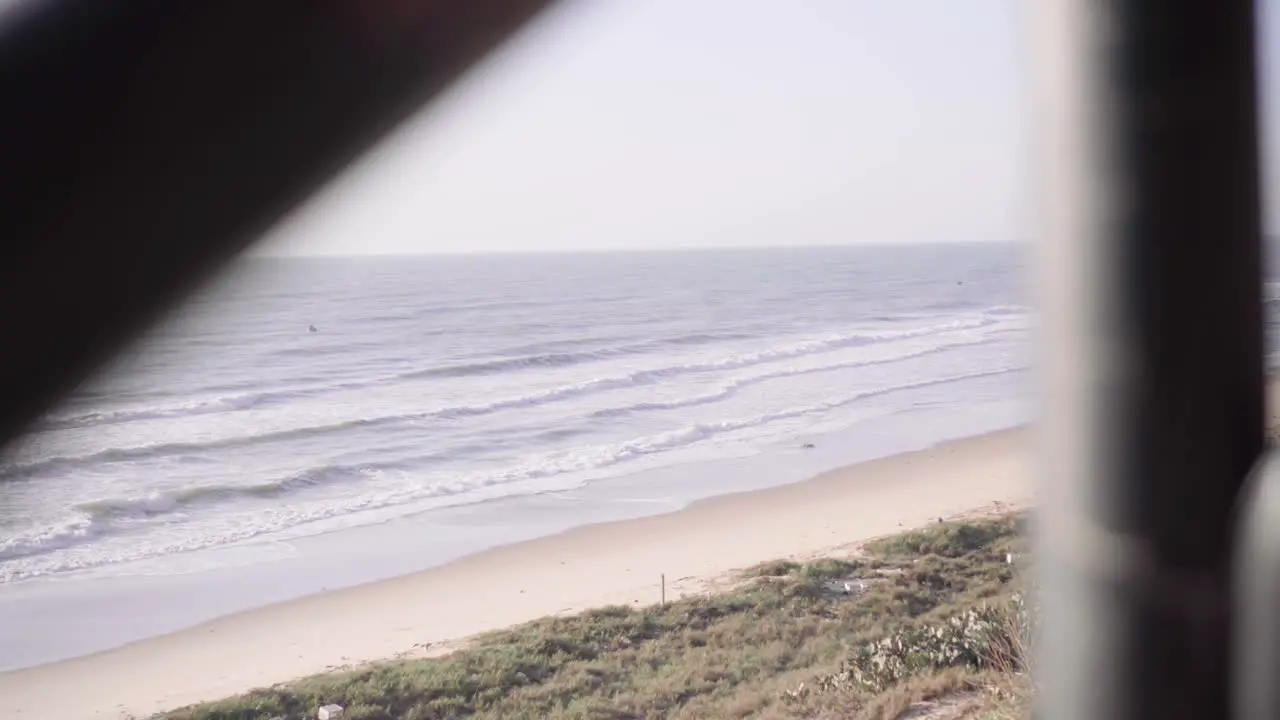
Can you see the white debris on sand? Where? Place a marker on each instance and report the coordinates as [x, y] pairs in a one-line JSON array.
[[850, 586]]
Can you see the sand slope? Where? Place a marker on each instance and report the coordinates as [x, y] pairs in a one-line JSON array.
[[590, 566]]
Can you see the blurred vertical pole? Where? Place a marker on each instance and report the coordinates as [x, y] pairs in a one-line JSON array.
[[1149, 274], [1255, 620]]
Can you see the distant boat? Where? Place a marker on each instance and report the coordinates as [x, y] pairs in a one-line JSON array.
[[312, 328]]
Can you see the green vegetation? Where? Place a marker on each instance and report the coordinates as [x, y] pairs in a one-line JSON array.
[[932, 615]]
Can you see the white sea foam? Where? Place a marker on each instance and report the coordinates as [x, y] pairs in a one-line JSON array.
[[446, 383]]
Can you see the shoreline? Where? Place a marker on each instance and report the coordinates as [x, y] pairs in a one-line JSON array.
[[60, 618], [697, 548]]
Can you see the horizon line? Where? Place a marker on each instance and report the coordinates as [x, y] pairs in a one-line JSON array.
[[250, 254]]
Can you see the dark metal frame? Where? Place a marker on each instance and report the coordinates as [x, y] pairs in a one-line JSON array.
[[1151, 279], [144, 142]]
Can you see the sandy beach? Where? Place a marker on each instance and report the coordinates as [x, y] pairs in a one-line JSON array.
[[621, 562]]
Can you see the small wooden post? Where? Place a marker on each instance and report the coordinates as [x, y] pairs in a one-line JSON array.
[[664, 589]]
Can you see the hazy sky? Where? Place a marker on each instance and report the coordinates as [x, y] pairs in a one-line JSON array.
[[675, 123]]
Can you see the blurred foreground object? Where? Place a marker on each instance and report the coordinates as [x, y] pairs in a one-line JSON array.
[[145, 142], [1150, 270]]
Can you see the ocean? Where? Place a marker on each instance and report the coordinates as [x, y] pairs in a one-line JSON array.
[[438, 383]]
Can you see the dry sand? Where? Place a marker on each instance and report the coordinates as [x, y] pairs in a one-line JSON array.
[[621, 562]]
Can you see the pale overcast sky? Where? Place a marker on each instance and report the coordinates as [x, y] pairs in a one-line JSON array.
[[618, 124]]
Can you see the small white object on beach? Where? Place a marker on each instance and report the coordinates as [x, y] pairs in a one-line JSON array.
[[329, 712], [850, 587], [1008, 558]]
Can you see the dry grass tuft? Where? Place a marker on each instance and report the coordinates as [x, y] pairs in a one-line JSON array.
[[758, 650]]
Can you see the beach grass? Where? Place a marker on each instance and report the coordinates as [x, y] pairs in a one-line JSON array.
[[777, 643]]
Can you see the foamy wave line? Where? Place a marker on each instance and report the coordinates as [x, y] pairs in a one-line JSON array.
[[96, 519], [254, 400], [218, 390], [808, 347], [247, 401], [567, 345], [732, 388], [565, 359], [1006, 310], [557, 394], [69, 532]]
